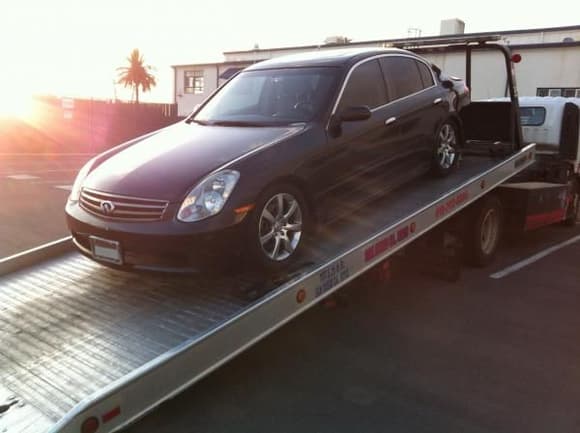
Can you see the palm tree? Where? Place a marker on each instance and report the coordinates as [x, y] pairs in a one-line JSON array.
[[136, 75]]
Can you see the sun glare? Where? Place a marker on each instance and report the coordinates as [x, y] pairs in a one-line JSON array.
[[18, 105]]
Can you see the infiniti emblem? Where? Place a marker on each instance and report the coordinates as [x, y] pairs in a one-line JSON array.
[[107, 207]]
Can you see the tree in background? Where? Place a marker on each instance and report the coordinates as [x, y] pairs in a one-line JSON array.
[[136, 75]]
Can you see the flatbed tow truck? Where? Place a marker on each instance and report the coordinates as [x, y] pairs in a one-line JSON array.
[[84, 348]]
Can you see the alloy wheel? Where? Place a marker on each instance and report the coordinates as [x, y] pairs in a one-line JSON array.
[[446, 150], [280, 226]]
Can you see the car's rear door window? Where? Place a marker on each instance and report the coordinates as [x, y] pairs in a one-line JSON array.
[[402, 76], [365, 86], [425, 73]]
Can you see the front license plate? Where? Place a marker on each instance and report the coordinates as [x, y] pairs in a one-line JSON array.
[[104, 249]]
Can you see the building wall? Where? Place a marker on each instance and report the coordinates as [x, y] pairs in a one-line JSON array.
[[488, 75], [548, 67], [541, 37], [186, 102], [540, 67]]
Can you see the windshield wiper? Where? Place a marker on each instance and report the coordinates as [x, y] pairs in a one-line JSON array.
[[199, 122]]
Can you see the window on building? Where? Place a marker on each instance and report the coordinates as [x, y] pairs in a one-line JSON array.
[[567, 92], [365, 86], [402, 76], [193, 82]]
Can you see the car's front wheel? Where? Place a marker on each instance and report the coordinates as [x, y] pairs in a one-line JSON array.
[[445, 151], [278, 227]]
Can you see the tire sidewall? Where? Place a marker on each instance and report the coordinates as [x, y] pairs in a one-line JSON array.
[[475, 253]]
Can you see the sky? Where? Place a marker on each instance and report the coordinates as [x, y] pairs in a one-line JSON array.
[[72, 47]]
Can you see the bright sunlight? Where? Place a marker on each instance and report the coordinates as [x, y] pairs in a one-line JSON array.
[[15, 103]]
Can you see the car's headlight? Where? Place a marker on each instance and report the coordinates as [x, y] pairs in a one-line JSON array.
[[208, 197], [75, 192]]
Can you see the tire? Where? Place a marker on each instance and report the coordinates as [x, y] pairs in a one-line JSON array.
[[483, 230], [446, 149], [268, 227]]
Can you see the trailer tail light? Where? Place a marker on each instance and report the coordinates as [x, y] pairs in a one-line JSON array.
[[90, 425], [516, 58]]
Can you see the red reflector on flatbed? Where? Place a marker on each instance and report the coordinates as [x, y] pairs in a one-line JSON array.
[[90, 425], [111, 414]]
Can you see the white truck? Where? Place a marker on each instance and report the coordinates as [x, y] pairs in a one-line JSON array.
[[548, 192]]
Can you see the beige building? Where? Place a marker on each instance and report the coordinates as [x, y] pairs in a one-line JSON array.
[[550, 63]]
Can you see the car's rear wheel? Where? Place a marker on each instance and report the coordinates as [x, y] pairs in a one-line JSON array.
[[446, 150], [278, 227]]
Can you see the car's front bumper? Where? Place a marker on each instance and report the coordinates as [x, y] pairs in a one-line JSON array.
[[167, 245]]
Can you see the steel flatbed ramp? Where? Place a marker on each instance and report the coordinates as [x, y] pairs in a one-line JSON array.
[[78, 340]]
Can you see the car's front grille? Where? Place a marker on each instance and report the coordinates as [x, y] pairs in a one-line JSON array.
[[122, 207]]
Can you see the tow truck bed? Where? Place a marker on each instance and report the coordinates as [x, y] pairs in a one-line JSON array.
[[79, 341]]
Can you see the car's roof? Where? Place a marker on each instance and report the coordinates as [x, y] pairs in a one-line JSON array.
[[546, 100], [326, 57]]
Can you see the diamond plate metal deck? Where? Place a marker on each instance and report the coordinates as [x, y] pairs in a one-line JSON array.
[[70, 327]]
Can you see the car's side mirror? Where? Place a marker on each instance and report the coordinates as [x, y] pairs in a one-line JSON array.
[[448, 84], [355, 114], [349, 114]]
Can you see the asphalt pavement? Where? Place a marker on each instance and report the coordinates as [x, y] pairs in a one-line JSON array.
[[414, 355], [33, 193]]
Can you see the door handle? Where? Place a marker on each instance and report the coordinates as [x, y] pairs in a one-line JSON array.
[[390, 121], [437, 101]]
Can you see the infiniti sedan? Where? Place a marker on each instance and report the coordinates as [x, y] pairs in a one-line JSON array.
[[282, 146]]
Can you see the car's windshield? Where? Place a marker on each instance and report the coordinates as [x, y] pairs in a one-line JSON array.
[[270, 97]]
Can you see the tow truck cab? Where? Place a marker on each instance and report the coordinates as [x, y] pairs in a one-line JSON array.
[[553, 124], [549, 190]]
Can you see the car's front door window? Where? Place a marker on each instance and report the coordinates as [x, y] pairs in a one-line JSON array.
[[365, 86]]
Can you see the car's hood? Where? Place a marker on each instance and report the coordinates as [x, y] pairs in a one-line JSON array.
[[166, 165]]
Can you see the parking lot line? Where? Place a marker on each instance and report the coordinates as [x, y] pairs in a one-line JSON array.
[[528, 261], [34, 172], [22, 177]]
